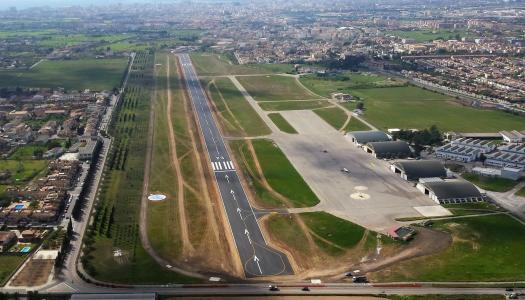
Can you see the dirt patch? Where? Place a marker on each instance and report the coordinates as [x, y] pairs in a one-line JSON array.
[[35, 273], [427, 242]]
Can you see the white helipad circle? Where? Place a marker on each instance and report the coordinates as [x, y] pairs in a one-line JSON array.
[[360, 196], [156, 197], [360, 188]]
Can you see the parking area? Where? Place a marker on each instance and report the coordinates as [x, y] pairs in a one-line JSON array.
[[350, 183]]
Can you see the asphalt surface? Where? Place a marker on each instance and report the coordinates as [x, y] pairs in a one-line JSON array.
[[257, 257], [369, 194]]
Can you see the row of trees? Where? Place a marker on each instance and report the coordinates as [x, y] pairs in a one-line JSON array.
[[419, 139]]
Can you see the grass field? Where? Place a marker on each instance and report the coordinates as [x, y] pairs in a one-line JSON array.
[[140, 268], [278, 172], [262, 195], [428, 35], [332, 236], [214, 65], [345, 83], [483, 249], [490, 183], [281, 123], [94, 74], [163, 217], [340, 234], [355, 125], [116, 221], [293, 105], [274, 87], [521, 192], [334, 116], [414, 107], [285, 229], [242, 119], [26, 152], [8, 264], [282, 176], [23, 170]]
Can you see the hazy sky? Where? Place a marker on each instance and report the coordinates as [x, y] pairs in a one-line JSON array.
[[29, 3]]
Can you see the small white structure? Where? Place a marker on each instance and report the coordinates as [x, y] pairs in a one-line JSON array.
[[342, 97], [511, 173], [513, 136]]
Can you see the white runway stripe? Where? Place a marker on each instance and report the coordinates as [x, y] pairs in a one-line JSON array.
[[213, 166], [225, 165], [231, 165]]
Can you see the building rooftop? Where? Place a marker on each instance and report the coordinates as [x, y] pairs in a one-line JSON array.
[[415, 169], [390, 147], [363, 137], [453, 189]]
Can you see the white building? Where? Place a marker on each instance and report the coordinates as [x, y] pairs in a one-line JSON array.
[[513, 136], [465, 149], [512, 156]]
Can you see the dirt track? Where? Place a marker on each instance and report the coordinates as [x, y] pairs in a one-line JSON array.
[[187, 248]]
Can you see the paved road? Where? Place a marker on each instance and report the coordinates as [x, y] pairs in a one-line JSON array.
[[257, 257]]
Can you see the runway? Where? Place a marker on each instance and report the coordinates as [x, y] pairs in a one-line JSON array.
[[257, 257]]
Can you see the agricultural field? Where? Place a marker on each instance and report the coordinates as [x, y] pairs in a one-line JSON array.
[[80, 74], [23, 171], [334, 116], [275, 88], [430, 35], [293, 105], [275, 181], [208, 64], [27, 152], [281, 123], [54, 40], [116, 221], [8, 265], [237, 117], [483, 249], [34, 273]]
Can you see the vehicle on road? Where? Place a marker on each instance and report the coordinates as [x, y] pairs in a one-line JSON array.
[[273, 288], [345, 170], [305, 289], [359, 279]]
